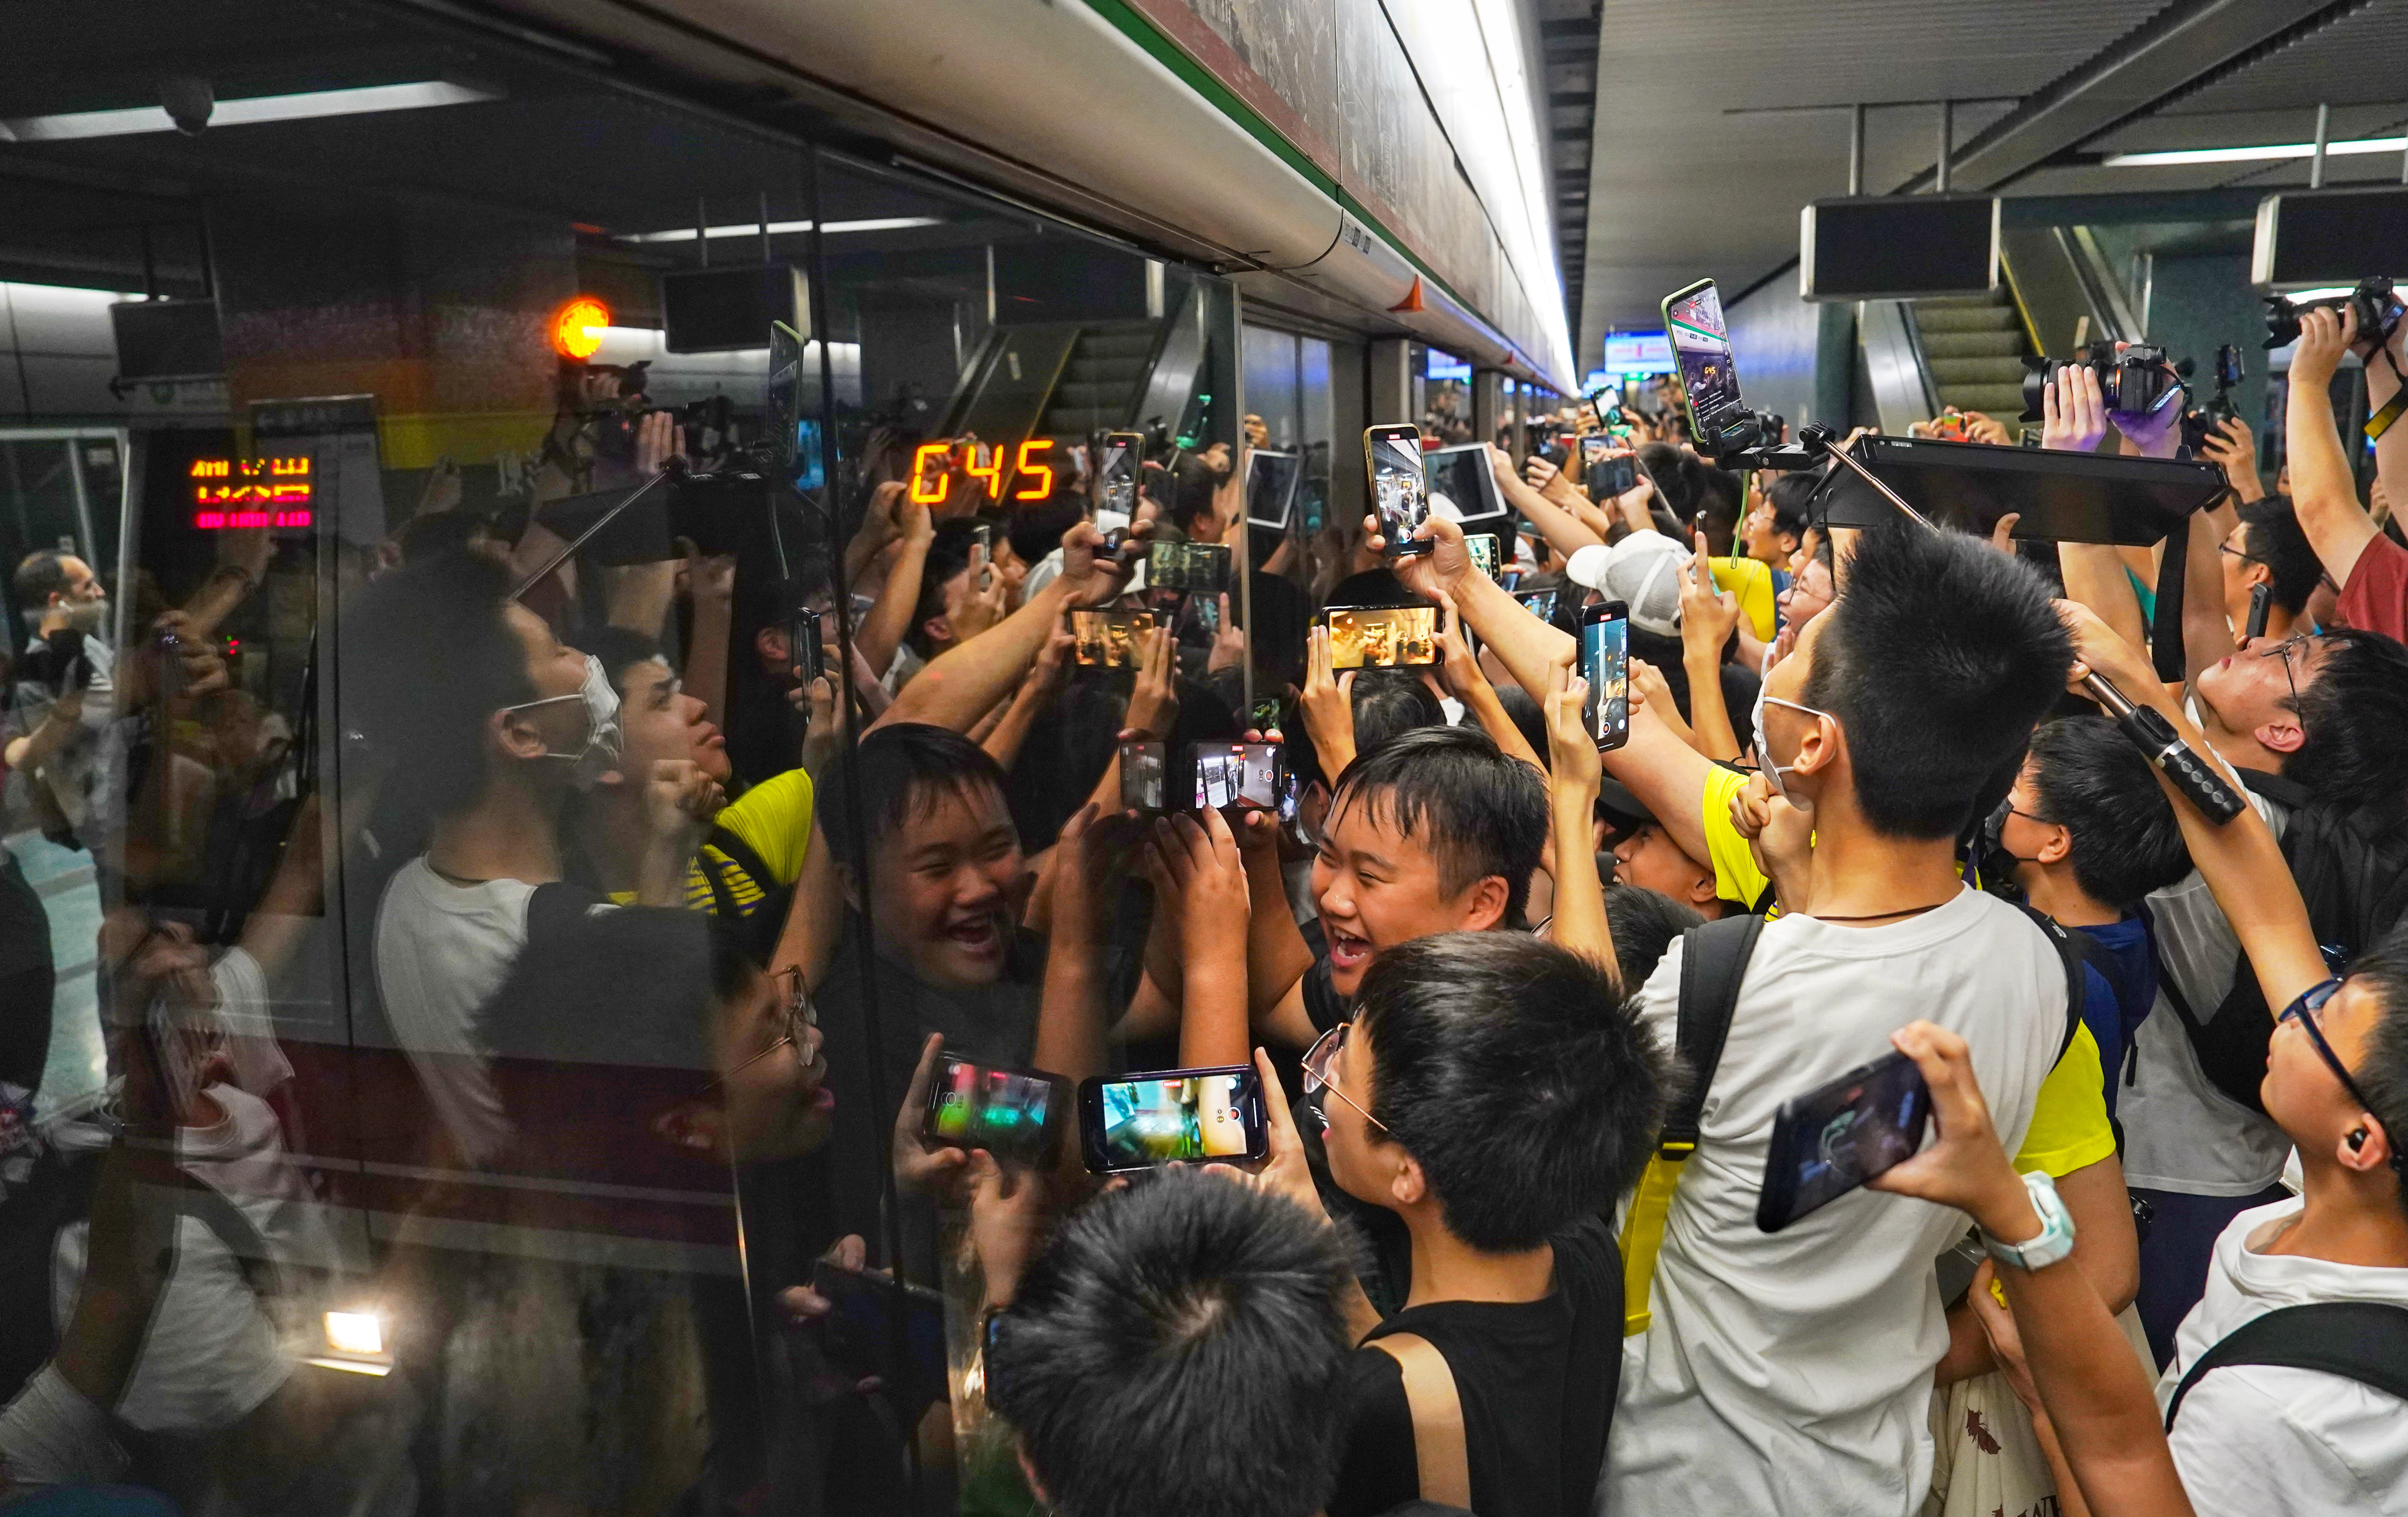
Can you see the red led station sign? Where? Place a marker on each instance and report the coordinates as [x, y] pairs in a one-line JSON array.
[[250, 493]]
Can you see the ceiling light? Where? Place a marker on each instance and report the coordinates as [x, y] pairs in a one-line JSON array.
[[577, 331], [2269, 152], [780, 229], [266, 107]]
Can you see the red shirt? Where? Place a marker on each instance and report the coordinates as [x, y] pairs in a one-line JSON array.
[[2376, 596]]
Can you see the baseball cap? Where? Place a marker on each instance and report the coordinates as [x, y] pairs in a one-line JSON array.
[[1642, 571]]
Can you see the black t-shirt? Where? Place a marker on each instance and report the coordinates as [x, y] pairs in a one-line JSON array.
[[1536, 1380]]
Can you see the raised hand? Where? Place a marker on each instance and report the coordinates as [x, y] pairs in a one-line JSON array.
[[1153, 703], [1327, 705]]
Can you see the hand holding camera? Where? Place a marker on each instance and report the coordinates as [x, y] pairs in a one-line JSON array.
[[2073, 414], [2324, 335]]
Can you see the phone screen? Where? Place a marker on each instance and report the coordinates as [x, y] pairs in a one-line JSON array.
[[1176, 1116], [1609, 474], [1605, 664], [1380, 637], [1207, 610], [1482, 546], [1141, 777], [1541, 603], [1399, 485], [1116, 476], [1187, 565], [1701, 349], [1233, 774], [1833, 1139], [1109, 638], [1005, 1111]]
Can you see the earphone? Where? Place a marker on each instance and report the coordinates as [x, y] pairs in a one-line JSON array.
[[2358, 1140]]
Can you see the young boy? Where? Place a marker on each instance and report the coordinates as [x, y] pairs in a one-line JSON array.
[[1496, 1094]]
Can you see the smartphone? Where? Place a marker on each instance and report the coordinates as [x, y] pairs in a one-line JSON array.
[[1605, 664], [1233, 777], [1171, 1117], [1399, 485], [2261, 602], [1605, 472], [1013, 1114], [1693, 319], [1206, 610], [1380, 637], [1485, 548], [1188, 566], [1836, 1136], [1464, 476], [1109, 639], [981, 554], [870, 1316], [1271, 479], [810, 654], [1141, 778], [1540, 603], [1116, 475]]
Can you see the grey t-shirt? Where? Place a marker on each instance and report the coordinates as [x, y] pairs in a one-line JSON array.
[[2181, 1133]]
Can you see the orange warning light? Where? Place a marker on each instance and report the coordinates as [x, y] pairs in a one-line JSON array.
[[577, 328]]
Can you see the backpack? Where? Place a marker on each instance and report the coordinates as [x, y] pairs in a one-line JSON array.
[[2351, 867], [2366, 1342], [1713, 963]]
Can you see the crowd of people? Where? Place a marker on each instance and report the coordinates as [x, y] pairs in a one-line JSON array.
[[642, 892]]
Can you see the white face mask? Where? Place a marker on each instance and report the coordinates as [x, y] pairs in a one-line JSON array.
[[600, 753], [1772, 772]]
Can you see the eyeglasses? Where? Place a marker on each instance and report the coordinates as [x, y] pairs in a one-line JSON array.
[[2245, 558], [2303, 1010], [2282, 651], [797, 1017], [1319, 1060]]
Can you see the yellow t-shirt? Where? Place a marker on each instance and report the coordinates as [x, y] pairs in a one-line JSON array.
[[774, 819], [2069, 1125], [1752, 583]]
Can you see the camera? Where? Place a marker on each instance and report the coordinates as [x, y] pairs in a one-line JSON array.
[[2376, 304], [2198, 425], [2133, 383]]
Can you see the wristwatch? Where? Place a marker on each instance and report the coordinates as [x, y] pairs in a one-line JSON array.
[[2056, 1239]]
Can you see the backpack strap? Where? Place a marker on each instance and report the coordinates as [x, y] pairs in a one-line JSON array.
[[1441, 1462], [2366, 1342], [1713, 963], [2070, 955], [744, 857]]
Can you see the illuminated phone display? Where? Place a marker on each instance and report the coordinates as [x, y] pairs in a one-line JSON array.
[[932, 468], [252, 493]]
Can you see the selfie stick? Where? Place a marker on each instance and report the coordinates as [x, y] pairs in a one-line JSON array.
[[674, 466], [2147, 729]]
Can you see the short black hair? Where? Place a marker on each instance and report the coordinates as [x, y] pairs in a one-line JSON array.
[[2091, 781], [1527, 1088], [40, 575], [429, 656], [1937, 661], [2382, 1069], [1187, 1334], [1644, 923], [1522, 709], [1791, 498], [2272, 535], [892, 774], [2351, 719], [1485, 813], [1389, 702]]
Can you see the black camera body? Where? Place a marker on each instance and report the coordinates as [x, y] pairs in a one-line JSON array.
[[2197, 425], [2376, 304], [2133, 383]]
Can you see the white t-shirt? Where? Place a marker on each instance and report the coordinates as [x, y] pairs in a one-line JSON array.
[[1791, 1371], [2181, 1133], [442, 951], [2262, 1440]]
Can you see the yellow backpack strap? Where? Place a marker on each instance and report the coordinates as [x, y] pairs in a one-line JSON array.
[[1442, 1465], [1713, 963]]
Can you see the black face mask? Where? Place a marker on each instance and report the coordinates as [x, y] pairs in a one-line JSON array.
[[1992, 858]]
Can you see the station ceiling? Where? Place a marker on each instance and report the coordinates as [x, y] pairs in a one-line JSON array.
[[1712, 122]]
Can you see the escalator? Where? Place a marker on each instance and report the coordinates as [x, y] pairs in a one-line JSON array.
[[1070, 380], [2058, 292]]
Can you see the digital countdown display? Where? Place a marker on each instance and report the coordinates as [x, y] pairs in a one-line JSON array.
[[231, 493], [933, 467]]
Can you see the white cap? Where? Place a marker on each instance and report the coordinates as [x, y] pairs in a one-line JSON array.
[[1642, 571]]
